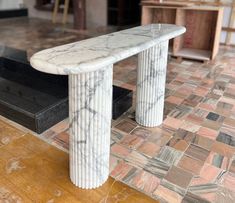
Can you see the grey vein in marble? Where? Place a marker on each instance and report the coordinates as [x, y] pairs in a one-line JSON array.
[[95, 53]]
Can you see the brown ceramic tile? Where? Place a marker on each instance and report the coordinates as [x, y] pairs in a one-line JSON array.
[[180, 112], [212, 124], [131, 141], [218, 160], [194, 119], [210, 173], [174, 100], [167, 195], [191, 127], [148, 148], [173, 123], [197, 152], [232, 166], [181, 139], [179, 177], [190, 164], [229, 181], [126, 126], [119, 150], [193, 100], [141, 132], [121, 170], [193, 198], [145, 181], [207, 132], [223, 149], [203, 142], [169, 155]]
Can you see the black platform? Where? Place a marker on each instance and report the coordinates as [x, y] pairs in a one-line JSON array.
[[12, 13], [38, 100]]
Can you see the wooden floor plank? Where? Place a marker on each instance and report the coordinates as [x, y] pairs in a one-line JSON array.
[[35, 171]]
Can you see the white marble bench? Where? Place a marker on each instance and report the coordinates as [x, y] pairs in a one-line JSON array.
[[89, 64]]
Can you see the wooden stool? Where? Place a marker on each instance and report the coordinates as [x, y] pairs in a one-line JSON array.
[[65, 13]]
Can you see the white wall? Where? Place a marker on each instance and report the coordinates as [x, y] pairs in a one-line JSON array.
[[10, 4], [96, 13]]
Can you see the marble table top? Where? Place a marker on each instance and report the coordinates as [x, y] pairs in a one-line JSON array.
[[96, 53]]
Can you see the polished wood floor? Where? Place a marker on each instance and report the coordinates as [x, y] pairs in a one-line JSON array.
[[33, 171]]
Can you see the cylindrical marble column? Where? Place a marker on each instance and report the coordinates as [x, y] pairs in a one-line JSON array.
[[151, 79], [90, 108]]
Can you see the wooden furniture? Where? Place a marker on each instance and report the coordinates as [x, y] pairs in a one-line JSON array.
[[79, 14], [203, 24], [48, 5], [65, 12]]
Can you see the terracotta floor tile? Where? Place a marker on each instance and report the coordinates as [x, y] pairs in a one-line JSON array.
[[224, 105], [193, 100], [203, 142], [198, 181], [174, 100], [232, 166], [181, 139], [207, 132], [119, 150], [212, 124], [145, 181], [60, 127], [126, 126], [173, 123], [191, 127], [201, 91], [157, 167], [137, 159], [192, 198], [132, 141], [117, 136], [210, 173], [121, 170], [167, 195], [179, 177], [223, 149], [141, 132], [229, 122], [180, 111], [229, 181], [218, 160], [190, 164], [197, 152], [148, 148], [169, 155]]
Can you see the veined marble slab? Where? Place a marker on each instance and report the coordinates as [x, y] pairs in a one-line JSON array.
[[95, 53]]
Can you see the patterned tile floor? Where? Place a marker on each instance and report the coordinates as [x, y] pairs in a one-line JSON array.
[[191, 156]]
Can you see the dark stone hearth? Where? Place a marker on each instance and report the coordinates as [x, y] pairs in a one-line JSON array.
[[13, 13], [38, 100]]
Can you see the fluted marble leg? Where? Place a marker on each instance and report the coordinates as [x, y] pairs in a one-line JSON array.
[[90, 100], [151, 78]]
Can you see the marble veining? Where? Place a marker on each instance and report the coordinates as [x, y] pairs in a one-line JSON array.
[[95, 53], [151, 79], [90, 108], [89, 64]]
